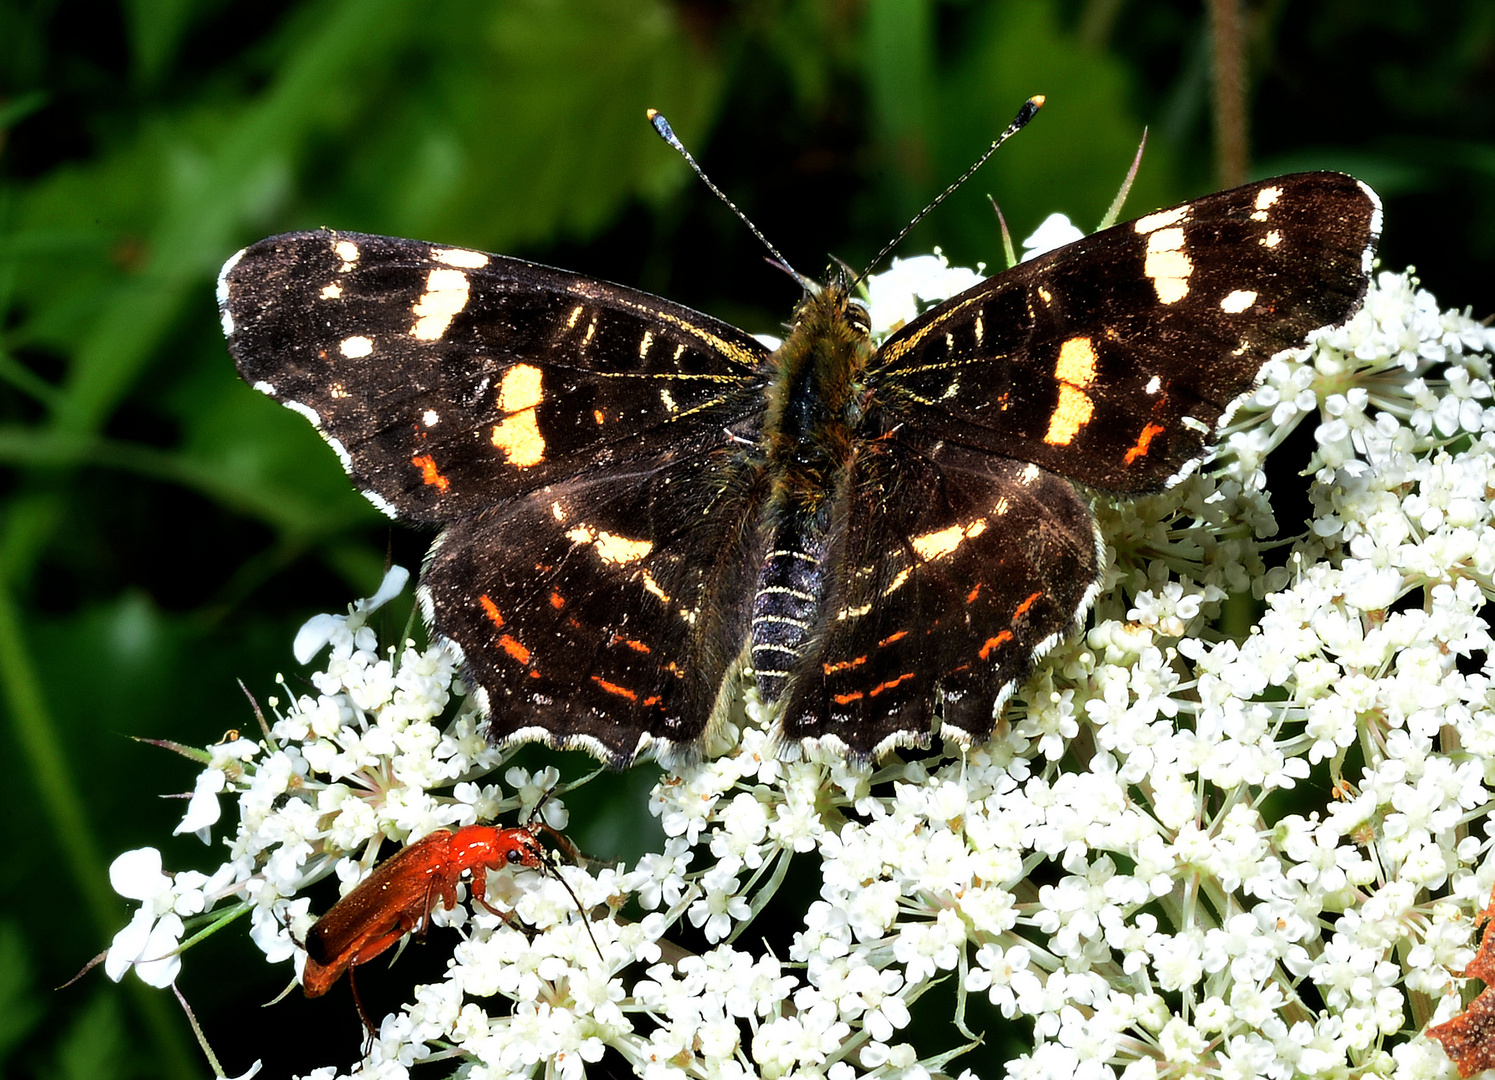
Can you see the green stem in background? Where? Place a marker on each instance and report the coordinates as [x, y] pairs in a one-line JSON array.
[[1228, 48]]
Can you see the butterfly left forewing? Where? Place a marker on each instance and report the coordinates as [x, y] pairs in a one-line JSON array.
[[449, 379], [1113, 360], [577, 440]]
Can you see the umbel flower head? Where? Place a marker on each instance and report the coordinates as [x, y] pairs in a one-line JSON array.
[[1253, 853]]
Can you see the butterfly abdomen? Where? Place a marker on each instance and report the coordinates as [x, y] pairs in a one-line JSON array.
[[809, 438], [789, 598]]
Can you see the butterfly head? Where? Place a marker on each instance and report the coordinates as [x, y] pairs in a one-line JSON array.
[[833, 309]]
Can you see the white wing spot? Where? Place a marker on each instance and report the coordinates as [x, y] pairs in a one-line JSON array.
[[611, 549], [1167, 265], [332, 292], [431, 418], [1029, 474], [354, 347], [1154, 384], [1265, 198], [936, 545], [1074, 371], [1153, 222], [897, 582], [1272, 239], [1238, 301], [651, 586], [470, 260], [518, 434], [347, 251], [444, 298]]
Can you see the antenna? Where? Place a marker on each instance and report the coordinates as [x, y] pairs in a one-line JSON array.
[[1027, 112], [662, 126]]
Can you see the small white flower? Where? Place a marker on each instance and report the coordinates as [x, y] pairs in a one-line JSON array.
[[202, 808], [319, 630], [897, 295], [137, 875], [1055, 231]]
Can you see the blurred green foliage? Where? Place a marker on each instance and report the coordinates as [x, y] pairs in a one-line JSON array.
[[164, 529]]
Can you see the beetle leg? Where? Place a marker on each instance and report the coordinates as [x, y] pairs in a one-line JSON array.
[[368, 1025], [479, 890]]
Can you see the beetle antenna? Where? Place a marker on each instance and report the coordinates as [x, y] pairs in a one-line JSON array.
[[1027, 112], [534, 824], [555, 872]]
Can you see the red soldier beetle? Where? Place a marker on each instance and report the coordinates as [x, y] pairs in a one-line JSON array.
[[402, 892]]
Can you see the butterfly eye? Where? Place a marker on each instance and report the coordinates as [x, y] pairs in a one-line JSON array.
[[857, 316]]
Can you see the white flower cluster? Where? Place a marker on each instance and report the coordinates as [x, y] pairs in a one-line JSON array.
[[1254, 854]]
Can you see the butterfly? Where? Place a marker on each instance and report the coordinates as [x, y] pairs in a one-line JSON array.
[[638, 504]]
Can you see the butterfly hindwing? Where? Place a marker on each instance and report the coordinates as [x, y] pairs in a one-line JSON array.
[[954, 570], [1112, 360], [605, 610], [449, 379]]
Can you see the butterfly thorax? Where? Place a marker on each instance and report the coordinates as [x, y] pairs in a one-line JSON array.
[[814, 405], [814, 394]]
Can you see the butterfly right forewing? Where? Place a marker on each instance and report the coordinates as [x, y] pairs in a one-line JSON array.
[[1112, 360]]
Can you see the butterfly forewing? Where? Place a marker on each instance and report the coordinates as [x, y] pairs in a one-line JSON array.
[[449, 379], [1112, 360]]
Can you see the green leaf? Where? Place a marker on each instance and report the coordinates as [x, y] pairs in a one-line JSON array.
[[1070, 159], [94, 1044], [19, 1008]]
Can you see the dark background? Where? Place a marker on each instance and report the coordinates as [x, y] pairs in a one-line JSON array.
[[164, 529]]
